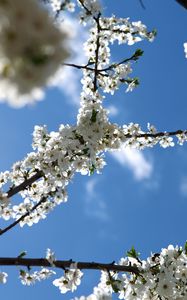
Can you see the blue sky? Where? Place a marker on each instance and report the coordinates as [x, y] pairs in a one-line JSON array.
[[139, 199]]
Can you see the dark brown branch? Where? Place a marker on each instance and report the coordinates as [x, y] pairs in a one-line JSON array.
[[78, 66], [158, 134], [97, 52], [24, 184], [113, 66], [89, 12], [63, 264], [40, 174], [110, 67], [96, 18], [183, 3], [2, 231]]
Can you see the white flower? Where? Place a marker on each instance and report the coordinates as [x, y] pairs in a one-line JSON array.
[[70, 280], [3, 277], [98, 294], [101, 294], [166, 286], [167, 142], [43, 274], [27, 278], [185, 49], [55, 4], [50, 256]]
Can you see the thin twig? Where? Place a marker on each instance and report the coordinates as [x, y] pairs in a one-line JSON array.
[[142, 4], [40, 174], [89, 12], [78, 66], [114, 65], [97, 53], [2, 231], [158, 134]]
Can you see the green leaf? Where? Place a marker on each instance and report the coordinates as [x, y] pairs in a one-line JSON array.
[[22, 272], [137, 54], [185, 248], [94, 116], [136, 80], [92, 169], [22, 254], [132, 253], [154, 32]]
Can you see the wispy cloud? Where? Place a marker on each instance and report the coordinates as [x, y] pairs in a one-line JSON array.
[[67, 79], [113, 110], [136, 161], [95, 206], [183, 186]]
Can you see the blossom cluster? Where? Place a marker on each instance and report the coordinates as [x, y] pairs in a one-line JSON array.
[[70, 280], [78, 148], [57, 156], [28, 278], [60, 154], [59, 5], [97, 48], [161, 276], [98, 294], [31, 50], [89, 10]]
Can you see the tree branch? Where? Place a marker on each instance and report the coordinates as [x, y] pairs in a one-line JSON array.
[[158, 134], [142, 4], [40, 174], [2, 231], [63, 264], [97, 52], [183, 3], [24, 184], [79, 66]]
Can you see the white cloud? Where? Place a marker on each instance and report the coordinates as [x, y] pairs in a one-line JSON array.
[[95, 206], [183, 186], [113, 110], [67, 79], [90, 186], [135, 161]]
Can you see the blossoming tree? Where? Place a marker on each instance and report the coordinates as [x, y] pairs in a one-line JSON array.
[[34, 46]]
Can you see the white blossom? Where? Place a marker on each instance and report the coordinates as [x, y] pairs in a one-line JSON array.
[[70, 280], [28, 278], [167, 142], [39, 49], [3, 277], [162, 276], [185, 49], [50, 256]]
